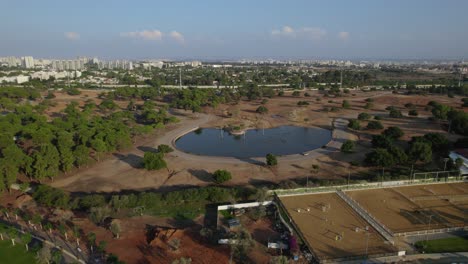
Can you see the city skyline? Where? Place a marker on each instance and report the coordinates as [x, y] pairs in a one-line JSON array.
[[211, 30]]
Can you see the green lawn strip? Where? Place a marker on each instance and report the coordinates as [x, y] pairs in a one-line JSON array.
[[15, 254], [453, 244]]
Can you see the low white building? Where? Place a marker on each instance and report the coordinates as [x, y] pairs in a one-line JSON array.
[[462, 154], [14, 79]]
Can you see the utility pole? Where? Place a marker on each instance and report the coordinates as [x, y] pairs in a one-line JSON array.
[[349, 176], [341, 79], [411, 173], [429, 227], [180, 78]]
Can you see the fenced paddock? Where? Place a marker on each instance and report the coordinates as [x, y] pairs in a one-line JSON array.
[[332, 229], [412, 209]]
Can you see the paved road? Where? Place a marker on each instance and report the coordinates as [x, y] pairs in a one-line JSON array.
[[70, 252]]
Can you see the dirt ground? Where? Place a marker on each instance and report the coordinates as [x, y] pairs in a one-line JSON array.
[[121, 171], [134, 247], [330, 226], [406, 209]]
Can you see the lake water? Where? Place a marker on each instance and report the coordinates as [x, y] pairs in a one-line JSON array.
[[283, 140]]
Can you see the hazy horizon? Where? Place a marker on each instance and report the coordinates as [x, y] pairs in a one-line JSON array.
[[215, 30]]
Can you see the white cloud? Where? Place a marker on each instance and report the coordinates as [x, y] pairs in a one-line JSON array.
[[145, 34], [72, 35], [314, 33], [177, 36], [286, 30], [343, 35]]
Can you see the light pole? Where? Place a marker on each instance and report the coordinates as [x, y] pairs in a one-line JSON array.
[[445, 163], [367, 244], [429, 227], [349, 176]]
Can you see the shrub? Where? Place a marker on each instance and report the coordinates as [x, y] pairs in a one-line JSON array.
[[345, 104], [413, 112], [280, 93], [296, 93], [271, 159], [377, 117], [301, 103], [369, 100], [163, 148], [354, 124], [393, 132], [262, 110], [395, 113], [368, 105], [307, 94], [364, 116], [374, 125], [154, 161], [347, 146], [409, 105], [221, 176]]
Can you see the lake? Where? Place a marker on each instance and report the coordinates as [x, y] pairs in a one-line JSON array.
[[283, 140]]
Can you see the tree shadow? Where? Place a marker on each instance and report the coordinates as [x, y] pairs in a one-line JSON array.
[[252, 161], [202, 175], [147, 149], [131, 159]]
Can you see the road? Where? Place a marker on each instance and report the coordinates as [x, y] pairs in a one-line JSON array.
[[69, 251]]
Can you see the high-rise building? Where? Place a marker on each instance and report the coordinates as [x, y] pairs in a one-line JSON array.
[[27, 62]]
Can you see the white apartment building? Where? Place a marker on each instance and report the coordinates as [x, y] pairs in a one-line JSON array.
[[27, 62]]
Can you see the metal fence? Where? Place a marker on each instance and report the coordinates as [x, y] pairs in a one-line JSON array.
[[382, 229]]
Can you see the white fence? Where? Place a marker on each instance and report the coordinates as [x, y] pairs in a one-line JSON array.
[[364, 185], [243, 205]]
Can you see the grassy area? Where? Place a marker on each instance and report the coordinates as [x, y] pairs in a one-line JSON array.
[[453, 244], [15, 254]]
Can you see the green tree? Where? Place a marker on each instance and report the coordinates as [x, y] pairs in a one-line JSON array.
[[347, 146], [413, 112], [345, 104], [163, 148], [99, 146], [46, 162], [81, 154], [221, 176], [354, 124], [381, 141], [262, 110], [420, 151], [26, 239], [154, 161], [374, 125], [379, 157], [271, 160], [395, 113], [364, 116], [399, 155], [64, 145], [115, 228], [393, 132], [44, 255]]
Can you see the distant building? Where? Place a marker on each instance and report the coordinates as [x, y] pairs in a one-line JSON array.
[[14, 79], [27, 62]]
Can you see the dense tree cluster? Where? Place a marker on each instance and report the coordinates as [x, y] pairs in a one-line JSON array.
[[41, 148], [458, 119]]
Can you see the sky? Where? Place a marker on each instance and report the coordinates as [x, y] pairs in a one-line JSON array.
[[227, 29]]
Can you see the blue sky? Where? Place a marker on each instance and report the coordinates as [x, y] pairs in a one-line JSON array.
[[350, 29]]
